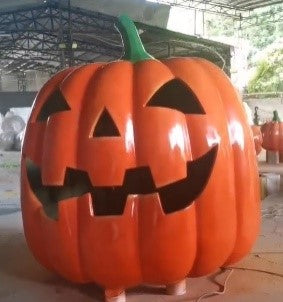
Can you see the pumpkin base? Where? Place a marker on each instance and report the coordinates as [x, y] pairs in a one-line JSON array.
[[177, 289], [115, 296], [272, 157]]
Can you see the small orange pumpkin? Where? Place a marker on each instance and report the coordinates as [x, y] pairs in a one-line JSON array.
[[272, 134], [139, 171], [257, 138]]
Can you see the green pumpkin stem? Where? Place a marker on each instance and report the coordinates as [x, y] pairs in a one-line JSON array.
[[256, 121], [276, 117], [256, 117], [133, 48]]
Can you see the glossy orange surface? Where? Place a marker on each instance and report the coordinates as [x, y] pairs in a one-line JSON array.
[[272, 134], [143, 245], [257, 138]]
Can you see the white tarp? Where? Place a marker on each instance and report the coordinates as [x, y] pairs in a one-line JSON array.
[[12, 128]]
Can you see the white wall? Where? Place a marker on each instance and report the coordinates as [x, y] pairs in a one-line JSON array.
[[266, 107]]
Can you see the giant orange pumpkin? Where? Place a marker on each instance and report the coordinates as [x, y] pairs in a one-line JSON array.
[[139, 171], [272, 134]]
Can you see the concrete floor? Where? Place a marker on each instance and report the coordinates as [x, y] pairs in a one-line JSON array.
[[23, 280]]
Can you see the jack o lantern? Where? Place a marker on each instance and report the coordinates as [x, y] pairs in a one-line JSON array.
[[272, 134], [139, 171]]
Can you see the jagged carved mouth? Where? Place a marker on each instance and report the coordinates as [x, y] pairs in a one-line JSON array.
[[110, 200]]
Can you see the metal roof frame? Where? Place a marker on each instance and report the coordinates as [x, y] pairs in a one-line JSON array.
[[237, 9], [51, 36]]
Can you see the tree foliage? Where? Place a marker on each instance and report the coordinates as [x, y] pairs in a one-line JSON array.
[[266, 29], [265, 34], [260, 29], [269, 73]]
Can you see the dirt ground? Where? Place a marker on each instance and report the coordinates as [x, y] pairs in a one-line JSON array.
[[257, 278]]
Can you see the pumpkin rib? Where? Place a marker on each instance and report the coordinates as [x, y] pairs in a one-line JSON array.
[[192, 73], [86, 72], [138, 217], [33, 151], [41, 215], [213, 76], [64, 252], [137, 206], [80, 118], [247, 228], [200, 63], [96, 224], [150, 132], [73, 276]]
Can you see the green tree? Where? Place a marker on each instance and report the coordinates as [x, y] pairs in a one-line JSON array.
[[262, 28], [269, 72], [220, 26], [267, 29], [264, 31]]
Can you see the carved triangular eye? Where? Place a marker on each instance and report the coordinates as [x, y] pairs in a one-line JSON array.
[[55, 103], [175, 94], [105, 126]]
